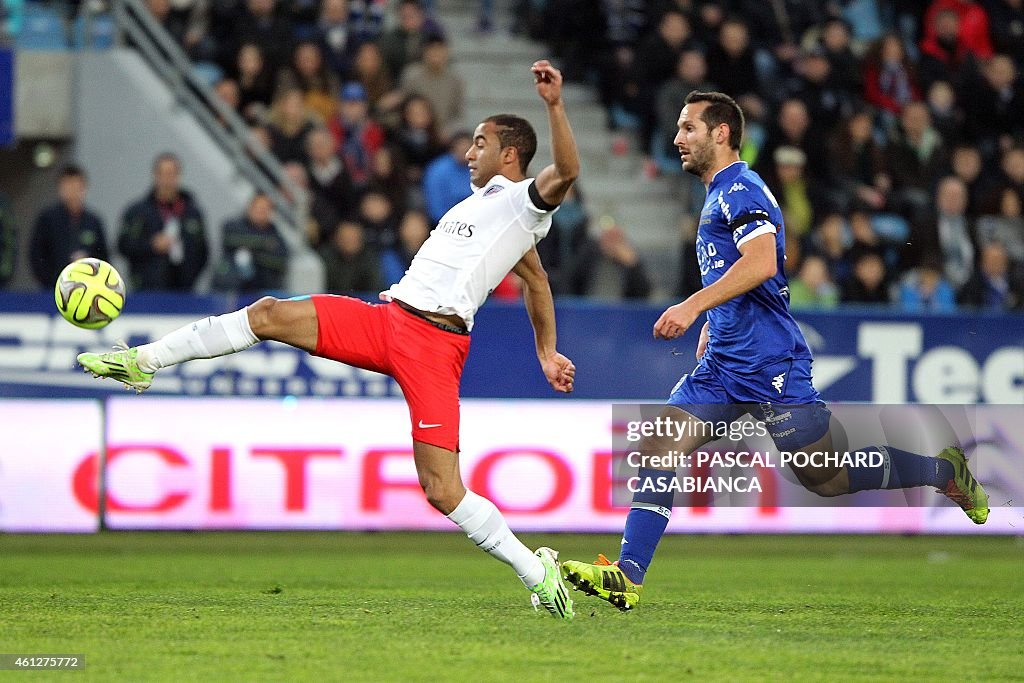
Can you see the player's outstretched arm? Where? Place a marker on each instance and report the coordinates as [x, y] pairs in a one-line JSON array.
[[756, 265], [559, 370], [555, 180]]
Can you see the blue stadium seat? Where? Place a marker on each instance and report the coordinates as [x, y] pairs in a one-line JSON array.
[[208, 72], [891, 227], [99, 32], [42, 28]]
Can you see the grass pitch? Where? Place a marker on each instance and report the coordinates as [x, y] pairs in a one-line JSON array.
[[418, 607]]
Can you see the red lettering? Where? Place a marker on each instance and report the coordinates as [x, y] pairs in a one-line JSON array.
[[606, 485], [768, 506], [220, 479], [481, 479], [294, 460], [701, 500], [85, 481], [374, 483]]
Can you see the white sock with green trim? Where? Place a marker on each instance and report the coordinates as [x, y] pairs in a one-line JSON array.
[[485, 526]]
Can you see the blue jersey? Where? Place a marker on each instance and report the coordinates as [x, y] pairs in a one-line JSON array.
[[754, 329]]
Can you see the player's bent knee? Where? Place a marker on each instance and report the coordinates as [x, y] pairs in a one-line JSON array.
[[443, 496], [826, 489], [442, 501], [262, 316]]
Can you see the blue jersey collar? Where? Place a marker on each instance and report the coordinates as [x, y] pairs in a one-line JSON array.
[[728, 173]]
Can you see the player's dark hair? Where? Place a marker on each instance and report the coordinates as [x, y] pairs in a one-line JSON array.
[[515, 131], [73, 171], [721, 109]]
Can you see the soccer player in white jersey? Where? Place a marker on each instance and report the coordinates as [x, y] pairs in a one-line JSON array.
[[420, 336]]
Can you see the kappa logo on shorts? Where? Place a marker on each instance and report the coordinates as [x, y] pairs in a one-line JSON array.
[[493, 189], [429, 426], [778, 381]]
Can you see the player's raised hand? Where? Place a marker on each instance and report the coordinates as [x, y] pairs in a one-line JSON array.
[[675, 321], [560, 371], [548, 80]]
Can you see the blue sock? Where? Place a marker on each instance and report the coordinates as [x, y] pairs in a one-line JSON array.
[[645, 525], [900, 470]]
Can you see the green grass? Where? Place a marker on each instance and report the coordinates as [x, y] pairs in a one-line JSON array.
[[408, 607]]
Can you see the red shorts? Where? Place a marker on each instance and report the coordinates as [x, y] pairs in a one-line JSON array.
[[425, 361]]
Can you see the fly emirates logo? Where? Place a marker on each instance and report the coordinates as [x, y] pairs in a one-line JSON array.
[[456, 228]]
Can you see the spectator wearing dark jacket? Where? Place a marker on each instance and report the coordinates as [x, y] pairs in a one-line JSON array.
[[916, 160], [404, 43], [412, 233], [993, 286], [8, 242], [255, 257], [163, 235], [327, 175], [258, 22], [731, 60], [869, 281], [351, 265], [65, 231], [994, 107]]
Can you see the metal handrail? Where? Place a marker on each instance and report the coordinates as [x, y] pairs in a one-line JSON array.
[[225, 126]]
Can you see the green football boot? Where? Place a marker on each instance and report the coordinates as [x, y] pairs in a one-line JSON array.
[[551, 593], [120, 364], [605, 580], [963, 489]]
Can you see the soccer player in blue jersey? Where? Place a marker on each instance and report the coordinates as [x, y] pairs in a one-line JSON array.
[[752, 358]]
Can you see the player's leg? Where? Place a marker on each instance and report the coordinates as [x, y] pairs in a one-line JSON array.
[[428, 367], [895, 468], [651, 507], [483, 523], [438, 470], [824, 481], [697, 400], [621, 582], [292, 321], [806, 427]]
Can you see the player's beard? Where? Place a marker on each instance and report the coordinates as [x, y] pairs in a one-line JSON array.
[[702, 156]]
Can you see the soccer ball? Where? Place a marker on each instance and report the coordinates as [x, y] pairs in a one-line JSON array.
[[89, 293]]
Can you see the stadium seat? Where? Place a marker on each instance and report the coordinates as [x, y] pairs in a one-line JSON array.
[[42, 28], [891, 227], [97, 32], [208, 72], [864, 19], [623, 119]]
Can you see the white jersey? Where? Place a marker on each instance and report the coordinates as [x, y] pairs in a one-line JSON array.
[[472, 249]]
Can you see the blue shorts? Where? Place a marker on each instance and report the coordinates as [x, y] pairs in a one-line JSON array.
[[714, 394]]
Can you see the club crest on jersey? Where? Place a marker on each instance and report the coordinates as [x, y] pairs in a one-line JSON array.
[[493, 189], [735, 187]]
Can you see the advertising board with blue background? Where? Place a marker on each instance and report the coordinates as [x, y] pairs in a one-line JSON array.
[[860, 355]]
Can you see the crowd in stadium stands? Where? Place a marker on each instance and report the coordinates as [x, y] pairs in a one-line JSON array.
[[891, 133]]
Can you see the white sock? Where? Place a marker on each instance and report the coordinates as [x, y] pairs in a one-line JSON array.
[[486, 527], [206, 338]]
